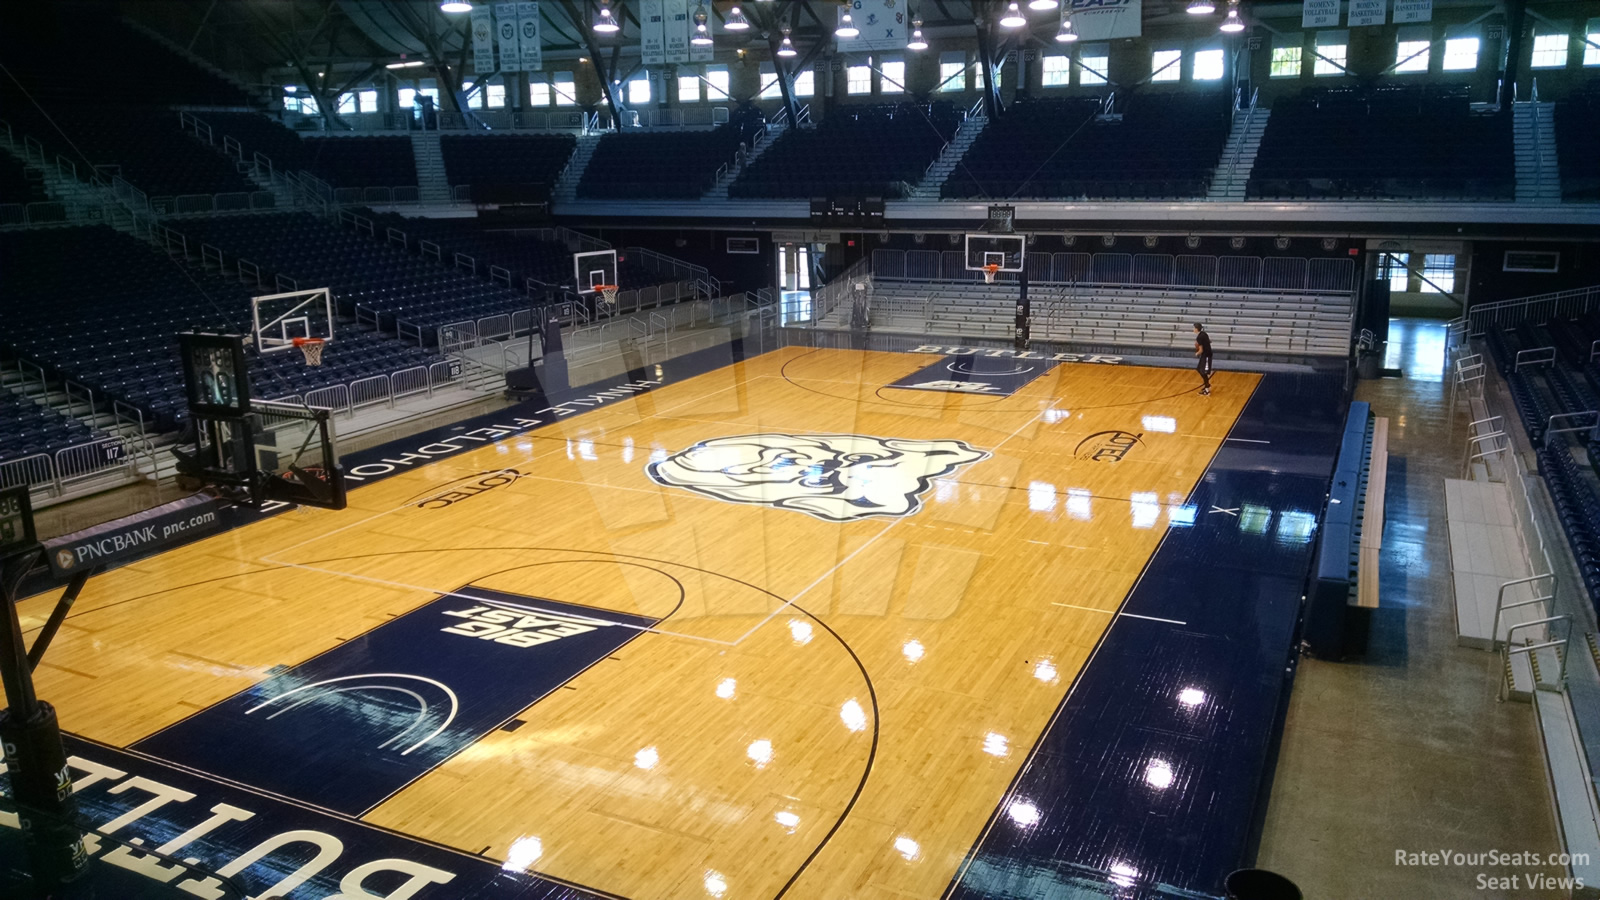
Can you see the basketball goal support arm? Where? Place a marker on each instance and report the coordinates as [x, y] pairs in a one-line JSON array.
[[57, 616]]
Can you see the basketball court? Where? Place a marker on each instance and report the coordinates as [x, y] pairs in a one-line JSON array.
[[797, 625]]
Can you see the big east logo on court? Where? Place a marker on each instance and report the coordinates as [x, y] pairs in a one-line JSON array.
[[518, 628]]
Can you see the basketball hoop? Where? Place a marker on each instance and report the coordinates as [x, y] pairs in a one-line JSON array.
[[989, 272], [312, 348], [608, 292]]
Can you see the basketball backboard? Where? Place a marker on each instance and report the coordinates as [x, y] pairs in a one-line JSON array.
[[593, 268], [1005, 250], [277, 319]]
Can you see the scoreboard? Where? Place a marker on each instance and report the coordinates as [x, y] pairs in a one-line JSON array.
[[16, 521]]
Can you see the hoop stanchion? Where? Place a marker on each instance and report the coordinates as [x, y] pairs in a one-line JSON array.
[[312, 348]]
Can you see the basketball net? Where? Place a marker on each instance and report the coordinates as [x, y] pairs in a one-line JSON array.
[[312, 348], [608, 292], [989, 272]]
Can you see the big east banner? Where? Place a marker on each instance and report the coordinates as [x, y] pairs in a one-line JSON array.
[[1099, 20]]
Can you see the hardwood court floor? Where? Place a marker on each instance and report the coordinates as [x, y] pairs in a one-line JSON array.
[[825, 710]]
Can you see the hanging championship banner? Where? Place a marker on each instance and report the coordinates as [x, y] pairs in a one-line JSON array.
[[1099, 20], [1320, 14], [1368, 12], [505, 35], [1406, 11], [482, 40], [675, 18], [652, 33], [882, 24], [530, 34]]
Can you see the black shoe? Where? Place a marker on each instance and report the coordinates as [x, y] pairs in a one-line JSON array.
[[1205, 391]]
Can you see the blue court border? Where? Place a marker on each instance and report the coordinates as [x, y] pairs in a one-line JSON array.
[[1140, 786]]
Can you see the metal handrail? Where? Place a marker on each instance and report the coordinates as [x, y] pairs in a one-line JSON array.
[[1534, 356], [1550, 426], [1499, 602], [1510, 650]]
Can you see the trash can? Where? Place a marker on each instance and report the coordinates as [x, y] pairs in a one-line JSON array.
[[1259, 884]]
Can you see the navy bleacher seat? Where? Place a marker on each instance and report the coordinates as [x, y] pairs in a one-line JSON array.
[[857, 151], [1390, 143], [1161, 145], [493, 163], [366, 161], [666, 165], [1578, 146], [99, 307], [16, 185]]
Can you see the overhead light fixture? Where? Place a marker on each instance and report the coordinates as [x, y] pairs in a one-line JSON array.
[[604, 22], [1013, 17], [455, 6], [289, 89], [1202, 8], [785, 46], [847, 27], [736, 20], [1043, 5], [917, 42], [1065, 34], [702, 34], [1232, 24], [406, 65]]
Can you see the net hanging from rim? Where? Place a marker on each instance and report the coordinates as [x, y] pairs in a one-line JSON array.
[[989, 272], [608, 292], [312, 348]]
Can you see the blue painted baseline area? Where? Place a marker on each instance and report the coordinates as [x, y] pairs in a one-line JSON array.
[[1150, 780], [347, 729], [144, 819], [976, 374]]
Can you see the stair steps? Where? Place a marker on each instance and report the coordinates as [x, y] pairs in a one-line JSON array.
[[719, 191], [432, 184], [566, 189], [1534, 146], [933, 180], [1239, 155]]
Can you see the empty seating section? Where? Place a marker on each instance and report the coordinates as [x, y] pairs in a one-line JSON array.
[[63, 98], [15, 184], [100, 308], [1384, 143], [1571, 383], [1161, 145], [359, 162], [857, 151], [682, 164], [1578, 146], [1249, 304], [148, 149], [523, 252], [406, 294], [65, 55], [32, 429], [258, 133], [487, 161]]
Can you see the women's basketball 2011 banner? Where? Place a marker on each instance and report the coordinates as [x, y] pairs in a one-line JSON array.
[[1099, 20]]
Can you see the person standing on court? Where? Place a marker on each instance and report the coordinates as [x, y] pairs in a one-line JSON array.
[[1202, 349]]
